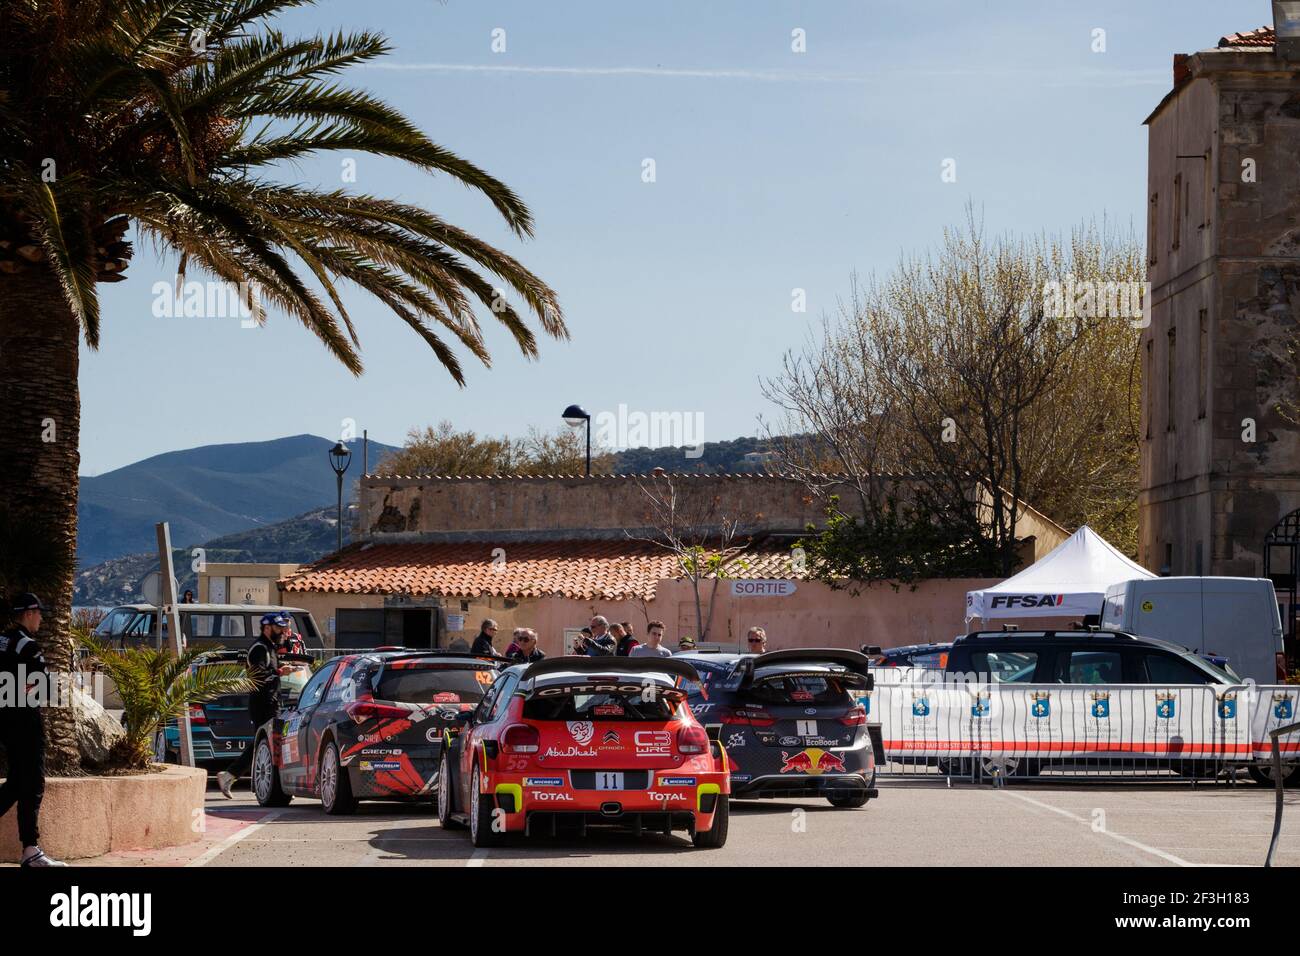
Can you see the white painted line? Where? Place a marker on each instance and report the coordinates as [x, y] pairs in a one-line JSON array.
[[216, 851], [477, 858], [1168, 857]]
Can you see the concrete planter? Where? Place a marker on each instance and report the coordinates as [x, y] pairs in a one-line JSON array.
[[91, 816]]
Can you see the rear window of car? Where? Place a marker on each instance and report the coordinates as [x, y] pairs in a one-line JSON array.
[[433, 685], [711, 675], [1006, 666], [801, 689], [605, 706]]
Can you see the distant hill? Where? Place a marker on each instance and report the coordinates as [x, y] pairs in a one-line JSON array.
[[205, 493], [717, 457], [299, 539]]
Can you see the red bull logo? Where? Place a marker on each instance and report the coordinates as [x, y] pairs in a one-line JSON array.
[[812, 761]]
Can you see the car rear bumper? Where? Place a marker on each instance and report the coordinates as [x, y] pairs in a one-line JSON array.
[[777, 785], [654, 808]]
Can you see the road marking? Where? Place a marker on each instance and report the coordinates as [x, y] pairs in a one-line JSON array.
[[1168, 857], [234, 838], [477, 858]]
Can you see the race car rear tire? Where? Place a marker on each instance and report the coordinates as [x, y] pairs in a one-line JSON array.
[[266, 778], [716, 836], [446, 796], [480, 816], [335, 785]]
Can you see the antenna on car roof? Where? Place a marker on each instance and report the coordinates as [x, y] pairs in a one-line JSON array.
[[1010, 627]]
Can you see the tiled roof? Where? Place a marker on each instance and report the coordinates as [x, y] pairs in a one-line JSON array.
[[1264, 36], [582, 570]]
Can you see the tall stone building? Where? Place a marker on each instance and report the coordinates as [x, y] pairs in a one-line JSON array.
[[1220, 463]]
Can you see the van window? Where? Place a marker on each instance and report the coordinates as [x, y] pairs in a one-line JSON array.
[[1168, 669], [1004, 667], [1090, 667]]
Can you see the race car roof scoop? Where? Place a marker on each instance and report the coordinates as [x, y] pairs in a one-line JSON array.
[[795, 657]]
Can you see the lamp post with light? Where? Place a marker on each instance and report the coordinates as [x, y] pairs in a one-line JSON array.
[[575, 416], [340, 458]]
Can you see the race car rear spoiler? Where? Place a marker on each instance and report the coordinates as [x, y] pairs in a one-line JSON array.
[[795, 657], [611, 667]]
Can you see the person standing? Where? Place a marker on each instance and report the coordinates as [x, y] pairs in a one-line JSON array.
[[487, 633], [600, 644], [263, 702], [623, 639], [524, 650], [288, 641], [654, 645], [756, 639], [21, 731]]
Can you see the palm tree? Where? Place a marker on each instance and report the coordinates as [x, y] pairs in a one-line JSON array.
[[173, 115]]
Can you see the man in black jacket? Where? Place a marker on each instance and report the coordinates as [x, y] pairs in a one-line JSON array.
[[21, 732], [487, 635], [264, 702]]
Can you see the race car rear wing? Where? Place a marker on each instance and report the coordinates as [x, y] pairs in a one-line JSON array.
[[613, 667], [795, 658]]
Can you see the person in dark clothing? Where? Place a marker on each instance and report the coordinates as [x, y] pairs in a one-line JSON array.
[[524, 650], [22, 733], [287, 640], [264, 702], [600, 644], [487, 633], [624, 641]]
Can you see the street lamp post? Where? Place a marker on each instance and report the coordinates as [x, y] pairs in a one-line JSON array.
[[576, 415], [340, 458]]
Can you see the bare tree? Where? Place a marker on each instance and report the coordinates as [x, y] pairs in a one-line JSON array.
[[702, 538]]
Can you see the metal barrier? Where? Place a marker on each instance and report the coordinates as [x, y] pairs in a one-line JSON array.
[[936, 726]]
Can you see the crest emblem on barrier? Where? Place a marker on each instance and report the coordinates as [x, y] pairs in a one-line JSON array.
[[1100, 704], [1283, 708], [920, 705], [1227, 705], [1165, 706], [1042, 705], [980, 704]]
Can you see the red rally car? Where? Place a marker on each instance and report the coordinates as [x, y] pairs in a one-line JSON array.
[[585, 741]]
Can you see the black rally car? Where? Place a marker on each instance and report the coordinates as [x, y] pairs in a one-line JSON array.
[[791, 722], [368, 727]]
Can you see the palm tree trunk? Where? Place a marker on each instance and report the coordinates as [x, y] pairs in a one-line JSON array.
[[39, 458]]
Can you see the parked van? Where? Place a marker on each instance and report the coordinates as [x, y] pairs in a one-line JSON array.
[[205, 626], [1237, 618]]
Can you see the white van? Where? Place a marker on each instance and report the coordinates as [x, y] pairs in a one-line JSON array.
[[1236, 618]]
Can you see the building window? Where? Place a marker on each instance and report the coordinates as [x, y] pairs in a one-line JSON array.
[[1178, 210], [1152, 232], [1169, 559], [1170, 361], [1149, 376], [1203, 365]]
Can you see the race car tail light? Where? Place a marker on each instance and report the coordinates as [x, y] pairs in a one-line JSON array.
[[1280, 659], [361, 710], [197, 715], [521, 739], [692, 740], [855, 718], [728, 716]]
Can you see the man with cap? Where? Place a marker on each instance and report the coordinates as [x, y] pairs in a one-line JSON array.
[[288, 641], [264, 702], [21, 731]]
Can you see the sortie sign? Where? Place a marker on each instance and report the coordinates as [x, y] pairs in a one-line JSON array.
[[762, 588]]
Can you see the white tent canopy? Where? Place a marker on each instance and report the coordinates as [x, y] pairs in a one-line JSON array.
[[1069, 581]]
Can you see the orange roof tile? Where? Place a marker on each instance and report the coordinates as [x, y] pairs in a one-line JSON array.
[[582, 570], [1264, 36]]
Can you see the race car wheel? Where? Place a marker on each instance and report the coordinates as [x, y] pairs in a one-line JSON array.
[[446, 799], [161, 753], [480, 817], [848, 799], [266, 779], [716, 836], [335, 785]]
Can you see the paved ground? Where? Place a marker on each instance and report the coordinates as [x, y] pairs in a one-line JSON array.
[[913, 823]]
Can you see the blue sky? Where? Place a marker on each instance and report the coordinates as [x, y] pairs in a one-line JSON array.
[[775, 170]]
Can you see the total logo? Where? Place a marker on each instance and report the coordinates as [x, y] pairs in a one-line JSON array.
[[652, 743], [1028, 600], [553, 796], [668, 797]]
